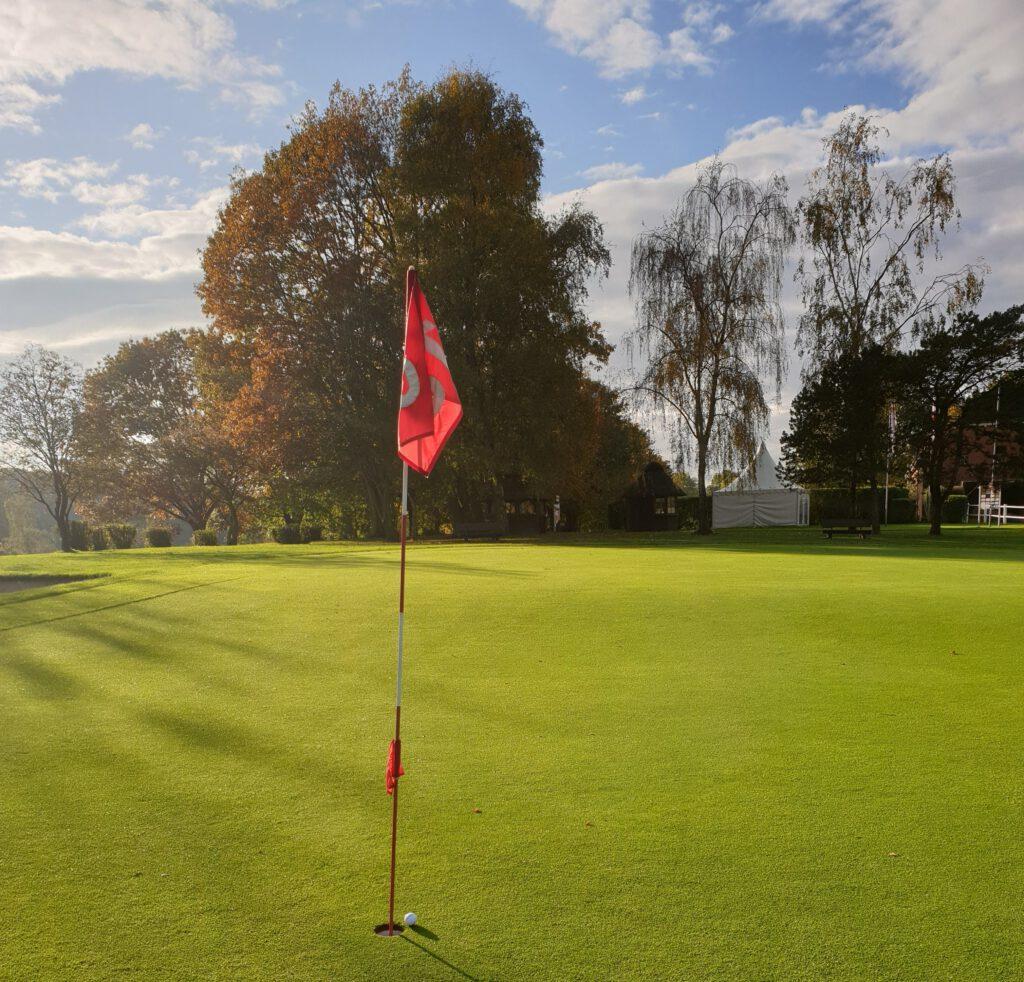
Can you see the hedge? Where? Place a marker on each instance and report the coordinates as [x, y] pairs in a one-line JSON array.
[[78, 533], [953, 509], [204, 537], [287, 535], [159, 536], [98, 539], [120, 535], [902, 511]]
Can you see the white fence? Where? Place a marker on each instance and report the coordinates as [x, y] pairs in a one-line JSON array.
[[995, 514]]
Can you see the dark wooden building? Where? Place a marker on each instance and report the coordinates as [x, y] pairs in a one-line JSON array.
[[650, 503]]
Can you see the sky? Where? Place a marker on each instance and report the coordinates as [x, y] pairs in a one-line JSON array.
[[122, 120]]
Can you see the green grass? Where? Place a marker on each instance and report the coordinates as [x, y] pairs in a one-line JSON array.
[[760, 757]]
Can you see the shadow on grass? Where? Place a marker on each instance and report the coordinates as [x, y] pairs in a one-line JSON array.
[[114, 606], [209, 734], [386, 557], [45, 680], [37, 589], [907, 542], [433, 954]]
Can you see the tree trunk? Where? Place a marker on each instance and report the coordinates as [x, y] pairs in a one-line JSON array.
[[875, 520], [232, 530], [703, 500], [64, 530], [935, 509], [379, 513]]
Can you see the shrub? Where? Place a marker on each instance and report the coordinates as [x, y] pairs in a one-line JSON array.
[[204, 537], [252, 537], [159, 536], [287, 535], [312, 533], [953, 509], [902, 511], [79, 535], [121, 535], [98, 539], [686, 511]]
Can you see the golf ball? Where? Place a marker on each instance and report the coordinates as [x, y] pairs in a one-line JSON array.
[[410, 918]]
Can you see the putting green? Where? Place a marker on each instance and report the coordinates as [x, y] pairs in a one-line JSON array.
[[759, 756]]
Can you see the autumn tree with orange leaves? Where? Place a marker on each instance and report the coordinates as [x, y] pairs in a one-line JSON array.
[[302, 281]]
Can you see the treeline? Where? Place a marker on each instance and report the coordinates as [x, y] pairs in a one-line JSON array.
[[281, 415], [901, 374], [283, 411], [950, 411]]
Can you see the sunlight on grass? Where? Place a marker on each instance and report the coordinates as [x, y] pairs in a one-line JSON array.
[[789, 758]]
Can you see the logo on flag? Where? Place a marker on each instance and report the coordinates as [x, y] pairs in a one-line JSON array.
[[430, 408]]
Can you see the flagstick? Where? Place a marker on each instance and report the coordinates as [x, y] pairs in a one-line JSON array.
[[398, 698], [398, 675]]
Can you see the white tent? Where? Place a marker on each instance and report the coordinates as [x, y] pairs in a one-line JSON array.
[[758, 498]]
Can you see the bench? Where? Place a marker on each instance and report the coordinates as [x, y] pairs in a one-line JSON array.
[[860, 527], [478, 530]]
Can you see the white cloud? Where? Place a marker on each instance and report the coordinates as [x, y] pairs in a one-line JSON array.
[[613, 171], [79, 179], [607, 130], [632, 96], [801, 11], [167, 244], [142, 136], [965, 71], [171, 223], [48, 178], [188, 42], [208, 152], [619, 37], [19, 104]]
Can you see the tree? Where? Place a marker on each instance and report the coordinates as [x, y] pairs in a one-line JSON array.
[[40, 402], [608, 451], [867, 234], [940, 414], [508, 281], [151, 441], [302, 279], [722, 478], [684, 482], [838, 433], [709, 323], [998, 436]]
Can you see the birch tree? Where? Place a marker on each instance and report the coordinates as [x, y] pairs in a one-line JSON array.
[[708, 342]]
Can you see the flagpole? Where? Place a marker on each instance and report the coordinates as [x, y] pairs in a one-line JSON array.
[[398, 697], [403, 527]]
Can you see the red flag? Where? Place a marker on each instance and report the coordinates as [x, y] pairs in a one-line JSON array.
[[430, 408], [390, 777]]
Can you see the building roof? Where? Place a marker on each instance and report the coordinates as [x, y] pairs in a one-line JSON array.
[[654, 481], [759, 476]]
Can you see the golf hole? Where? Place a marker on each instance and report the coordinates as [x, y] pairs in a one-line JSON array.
[[381, 930]]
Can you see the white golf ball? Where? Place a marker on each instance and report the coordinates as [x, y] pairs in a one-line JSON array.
[[410, 918]]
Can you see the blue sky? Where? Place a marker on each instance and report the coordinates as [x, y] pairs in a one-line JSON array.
[[120, 121]]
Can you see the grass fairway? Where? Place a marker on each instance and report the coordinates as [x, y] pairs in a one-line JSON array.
[[765, 756]]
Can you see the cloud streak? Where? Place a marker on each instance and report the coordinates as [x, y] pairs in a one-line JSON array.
[[188, 42]]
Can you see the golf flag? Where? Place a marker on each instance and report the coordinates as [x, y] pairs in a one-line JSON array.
[[391, 776], [430, 408]]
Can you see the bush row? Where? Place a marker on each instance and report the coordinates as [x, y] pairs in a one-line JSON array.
[[290, 535], [954, 509], [115, 535]]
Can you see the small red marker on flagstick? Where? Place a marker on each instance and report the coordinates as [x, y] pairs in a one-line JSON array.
[[429, 412]]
